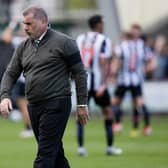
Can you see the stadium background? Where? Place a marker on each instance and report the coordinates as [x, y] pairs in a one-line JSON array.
[[70, 16]]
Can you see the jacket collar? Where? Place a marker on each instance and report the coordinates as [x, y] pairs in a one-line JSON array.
[[45, 37]]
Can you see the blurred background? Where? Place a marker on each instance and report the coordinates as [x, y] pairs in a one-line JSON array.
[[70, 17]]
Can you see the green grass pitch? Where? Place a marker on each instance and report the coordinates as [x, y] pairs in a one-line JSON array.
[[140, 152]]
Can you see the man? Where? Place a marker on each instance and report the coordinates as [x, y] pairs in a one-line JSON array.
[[47, 58], [133, 58], [95, 50]]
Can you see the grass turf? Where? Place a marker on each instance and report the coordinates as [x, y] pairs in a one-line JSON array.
[[146, 152]]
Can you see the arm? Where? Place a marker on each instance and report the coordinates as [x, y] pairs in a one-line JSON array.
[[116, 62], [104, 59], [76, 67], [150, 61], [151, 65], [80, 77], [115, 65], [105, 56], [7, 34], [104, 68]]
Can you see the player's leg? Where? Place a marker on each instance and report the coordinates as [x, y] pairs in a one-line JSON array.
[[136, 93], [21, 102], [116, 102], [135, 120], [118, 113], [116, 108], [135, 117], [22, 105], [80, 139], [147, 130], [142, 109], [104, 102]]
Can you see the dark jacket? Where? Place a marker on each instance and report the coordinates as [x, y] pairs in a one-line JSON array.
[[47, 69]]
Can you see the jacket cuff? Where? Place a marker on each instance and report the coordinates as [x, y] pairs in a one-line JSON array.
[[4, 96], [82, 100]]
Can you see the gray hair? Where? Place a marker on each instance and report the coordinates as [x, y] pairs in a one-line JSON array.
[[37, 12]]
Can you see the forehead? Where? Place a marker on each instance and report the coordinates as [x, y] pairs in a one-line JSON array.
[[136, 29], [28, 18]]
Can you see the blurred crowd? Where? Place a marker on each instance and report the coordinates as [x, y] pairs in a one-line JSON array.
[[158, 46]]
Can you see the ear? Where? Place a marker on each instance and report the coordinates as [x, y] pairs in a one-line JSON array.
[[43, 20]]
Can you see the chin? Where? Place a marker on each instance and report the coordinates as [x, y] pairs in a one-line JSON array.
[[29, 34]]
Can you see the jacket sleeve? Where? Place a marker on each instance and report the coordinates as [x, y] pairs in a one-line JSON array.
[[11, 74], [76, 67]]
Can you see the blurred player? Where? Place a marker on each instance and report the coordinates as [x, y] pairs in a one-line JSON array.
[[115, 68], [18, 96], [95, 50], [6, 49], [18, 93], [7, 45], [133, 59]]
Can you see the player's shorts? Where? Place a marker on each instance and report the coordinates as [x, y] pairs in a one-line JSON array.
[[136, 91], [103, 101], [18, 90]]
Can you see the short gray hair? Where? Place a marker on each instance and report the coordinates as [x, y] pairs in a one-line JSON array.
[[37, 12]]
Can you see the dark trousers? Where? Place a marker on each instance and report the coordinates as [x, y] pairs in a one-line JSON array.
[[48, 121]]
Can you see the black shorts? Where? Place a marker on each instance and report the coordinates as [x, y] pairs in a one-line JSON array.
[[18, 90], [102, 101], [136, 91]]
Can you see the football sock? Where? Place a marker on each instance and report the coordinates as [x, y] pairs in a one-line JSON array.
[[109, 132], [135, 118], [117, 112], [28, 127], [80, 134], [146, 115]]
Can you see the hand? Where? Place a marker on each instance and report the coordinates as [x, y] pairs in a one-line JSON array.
[[100, 91], [5, 107], [83, 115]]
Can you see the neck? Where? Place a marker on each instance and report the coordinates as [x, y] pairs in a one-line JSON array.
[[40, 36], [96, 30]]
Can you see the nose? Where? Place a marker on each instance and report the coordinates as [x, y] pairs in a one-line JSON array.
[[26, 27]]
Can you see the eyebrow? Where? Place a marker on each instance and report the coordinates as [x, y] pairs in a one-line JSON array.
[[27, 23]]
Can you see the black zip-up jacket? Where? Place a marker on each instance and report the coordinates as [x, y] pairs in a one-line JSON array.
[[47, 69]]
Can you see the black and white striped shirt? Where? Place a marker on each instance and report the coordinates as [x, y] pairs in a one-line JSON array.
[[93, 46], [133, 54]]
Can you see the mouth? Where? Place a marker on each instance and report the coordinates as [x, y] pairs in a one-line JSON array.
[[28, 33]]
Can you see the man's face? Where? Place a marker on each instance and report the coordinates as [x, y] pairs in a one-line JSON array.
[[101, 27], [136, 32], [32, 26]]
